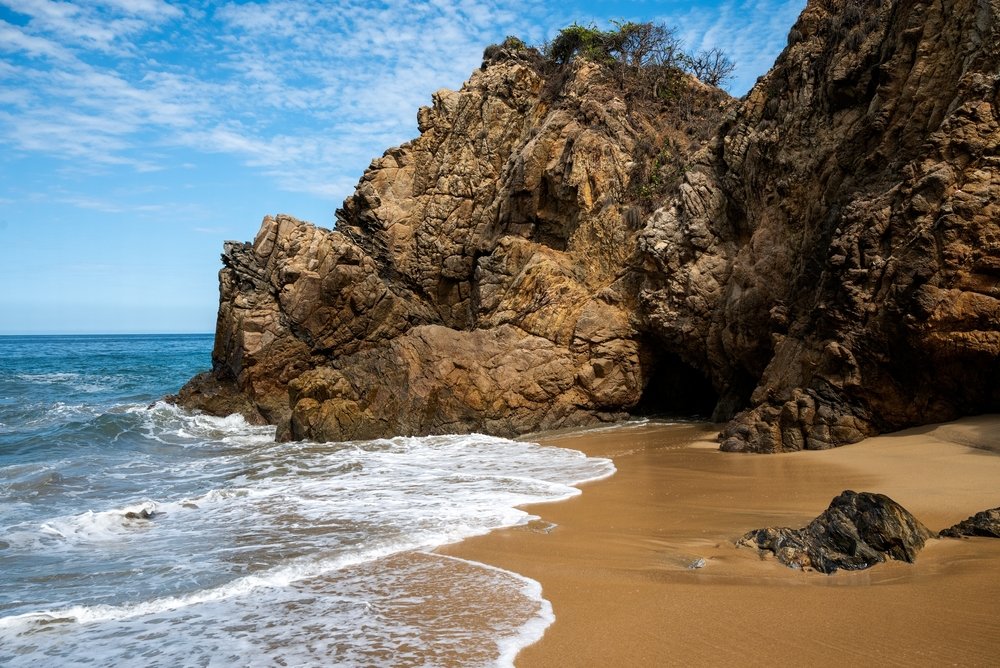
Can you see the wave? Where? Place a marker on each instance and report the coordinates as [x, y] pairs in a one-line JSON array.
[[380, 612], [529, 633], [168, 423], [234, 520], [111, 526], [76, 382], [276, 578]]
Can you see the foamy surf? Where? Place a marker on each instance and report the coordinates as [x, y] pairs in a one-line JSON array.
[[408, 495], [136, 533], [413, 608]]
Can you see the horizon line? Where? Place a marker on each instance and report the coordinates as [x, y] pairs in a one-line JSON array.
[[92, 333]]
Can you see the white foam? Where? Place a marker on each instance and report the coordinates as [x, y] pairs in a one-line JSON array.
[[78, 382], [91, 527], [273, 516], [48, 378], [509, 646], [168, 423]]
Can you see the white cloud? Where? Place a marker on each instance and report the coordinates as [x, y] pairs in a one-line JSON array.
[[751, 32], [303, 91], [13, 39], [103, 25]]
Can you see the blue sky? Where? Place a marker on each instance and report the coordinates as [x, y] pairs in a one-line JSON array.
[[137, 135]]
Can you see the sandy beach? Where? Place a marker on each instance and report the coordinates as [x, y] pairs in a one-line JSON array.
[[616, 561]]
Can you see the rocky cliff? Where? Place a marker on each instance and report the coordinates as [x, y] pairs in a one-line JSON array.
[[476, 279], [833, 259], [824, 264]]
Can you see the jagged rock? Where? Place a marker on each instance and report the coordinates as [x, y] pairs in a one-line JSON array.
[[857, 531], [824, 265], [216, 397], [985, 523], [475, 278], [831, 260]]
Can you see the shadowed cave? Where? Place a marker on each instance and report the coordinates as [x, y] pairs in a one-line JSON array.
[[677, 389]]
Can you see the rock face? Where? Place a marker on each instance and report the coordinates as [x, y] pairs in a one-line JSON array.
[[824, 263], [476, 278], [832, 259], [857, 531], [986, 523]]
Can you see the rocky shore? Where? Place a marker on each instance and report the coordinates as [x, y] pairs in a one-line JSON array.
[[813, 264]]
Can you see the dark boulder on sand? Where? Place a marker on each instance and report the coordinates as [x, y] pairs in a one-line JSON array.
[[857, 531], [986, 523]]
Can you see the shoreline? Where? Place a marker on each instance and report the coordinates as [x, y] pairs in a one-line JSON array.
[[616, 565]]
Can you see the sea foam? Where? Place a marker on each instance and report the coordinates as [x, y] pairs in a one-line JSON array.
[[233, 526]]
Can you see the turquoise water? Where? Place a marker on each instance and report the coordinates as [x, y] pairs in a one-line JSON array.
[[136, 533]]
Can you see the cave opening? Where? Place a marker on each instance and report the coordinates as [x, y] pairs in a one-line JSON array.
[[677, 389]]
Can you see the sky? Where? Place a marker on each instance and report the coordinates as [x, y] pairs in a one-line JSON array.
[[137, 135]]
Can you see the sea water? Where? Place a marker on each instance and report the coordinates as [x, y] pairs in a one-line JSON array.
[[133, 532]]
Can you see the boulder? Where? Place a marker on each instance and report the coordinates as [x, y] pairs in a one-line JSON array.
[[985, 523], [857, 531]]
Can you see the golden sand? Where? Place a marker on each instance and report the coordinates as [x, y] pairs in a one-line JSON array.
[[617, 564]]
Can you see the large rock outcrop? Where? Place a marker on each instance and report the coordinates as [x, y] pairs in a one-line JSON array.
[[832, 260], [476, 278], [824, 263]]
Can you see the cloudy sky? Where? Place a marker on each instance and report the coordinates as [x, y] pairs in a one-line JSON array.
[[137, 135]]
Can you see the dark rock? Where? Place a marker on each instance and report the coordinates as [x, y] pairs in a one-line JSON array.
[[986, 523], [857, 531], [831, 256], [144, 514]]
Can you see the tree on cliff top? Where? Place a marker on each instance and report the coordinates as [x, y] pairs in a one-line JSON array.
[[652, 50]]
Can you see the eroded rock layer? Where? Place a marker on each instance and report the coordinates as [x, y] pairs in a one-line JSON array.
[[985, 523], [824, 263]]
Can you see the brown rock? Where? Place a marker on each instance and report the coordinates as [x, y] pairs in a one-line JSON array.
[[857, 531], [830, 260], [474, 280], [437, 380]]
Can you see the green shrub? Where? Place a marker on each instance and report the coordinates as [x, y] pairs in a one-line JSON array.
[[578, 40]]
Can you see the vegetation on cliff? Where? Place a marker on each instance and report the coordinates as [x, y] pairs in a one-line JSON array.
[[645, 58]]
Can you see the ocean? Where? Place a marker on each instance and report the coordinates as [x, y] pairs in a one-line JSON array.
[[135, 533]]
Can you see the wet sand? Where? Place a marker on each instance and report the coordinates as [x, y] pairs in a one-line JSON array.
[[616, 565]]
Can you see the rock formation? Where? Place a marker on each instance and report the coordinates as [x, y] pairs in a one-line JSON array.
[[832, 260], [825, 264], [857, 531], [985, 523], [476, 280]]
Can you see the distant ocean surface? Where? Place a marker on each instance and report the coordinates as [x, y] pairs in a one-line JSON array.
[[134, 533]]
